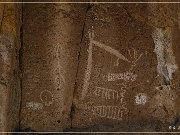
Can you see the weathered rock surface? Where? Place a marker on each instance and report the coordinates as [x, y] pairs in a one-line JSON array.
[[51, 37], [128, 70], [90, 67], [10, 20]]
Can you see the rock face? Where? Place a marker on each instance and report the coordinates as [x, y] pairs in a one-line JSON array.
[[114, 82], [128, 66], [10, 16], [90, 67], [51, 37]]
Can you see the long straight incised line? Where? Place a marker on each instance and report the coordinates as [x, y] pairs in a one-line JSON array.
[[89, 64], [110, 50], [88, 70]]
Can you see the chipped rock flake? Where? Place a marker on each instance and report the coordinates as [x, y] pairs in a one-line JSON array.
[[141, 99], [163, 49]]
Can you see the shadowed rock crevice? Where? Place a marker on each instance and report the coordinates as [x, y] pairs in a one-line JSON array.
[[90, 6], [21, 64]]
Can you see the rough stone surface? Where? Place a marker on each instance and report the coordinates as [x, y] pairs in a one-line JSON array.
[[51, 37], [128, 70], [90, 67], [10, 17]]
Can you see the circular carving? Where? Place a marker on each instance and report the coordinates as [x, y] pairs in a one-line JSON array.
[[46, 97]]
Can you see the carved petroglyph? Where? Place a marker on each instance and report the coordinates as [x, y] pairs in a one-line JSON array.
[[110, 112], [135, 57], [89, 67], [109, 93], [117, 62], [34, 105], [141, 99], [126, 76], [109, 49], [59, 78], [106, 111], [46, 97]]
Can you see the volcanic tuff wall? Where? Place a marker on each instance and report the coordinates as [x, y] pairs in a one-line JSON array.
[[10, 91], [129, 75], [109, 67], [51, 37]]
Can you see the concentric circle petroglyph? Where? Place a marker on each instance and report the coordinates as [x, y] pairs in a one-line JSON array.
[[46, 97]]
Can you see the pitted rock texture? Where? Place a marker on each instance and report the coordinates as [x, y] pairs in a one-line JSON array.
[[89, 67], [51, 37], [10, 16], [120, 71], [128, 66]]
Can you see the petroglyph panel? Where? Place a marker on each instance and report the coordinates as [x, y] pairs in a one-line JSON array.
[[50, 53], [117, 63], [118, 68], [90, 64], [110, 112], [109, 94]]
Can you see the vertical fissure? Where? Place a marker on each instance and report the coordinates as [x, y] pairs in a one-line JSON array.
[[79, 55], [21, 64]]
